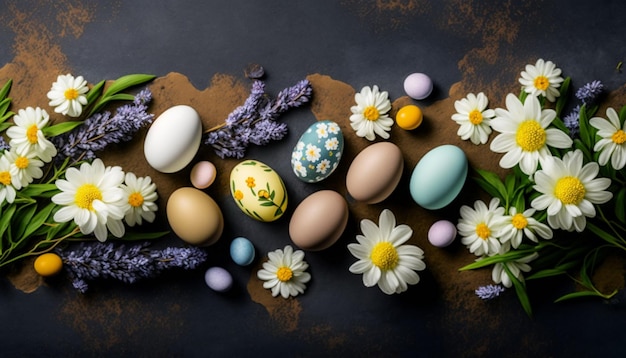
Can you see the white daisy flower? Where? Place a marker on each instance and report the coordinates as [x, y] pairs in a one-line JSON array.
[[323, 166], [383, 259], [542, 79], [480, 225], [298, 168], [369, 116], [139, 199], [613, 143], [333, 128], [331, 143], [322, 130], [312, 153], [474, 118], [67, 95], [26, 135], [24, 168], [517, 225], [284, 272], [524, 134], [93, 198], [7, 191], [517, 267], [300, 146], [569, 190]]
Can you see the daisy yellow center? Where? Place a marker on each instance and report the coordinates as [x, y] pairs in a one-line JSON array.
[[569, 190], [238, 195], [542, 83], [371, 113], [21, 162], [619, 137], [385, 256], [284, 274], [476, 117], [31, 134], [5, 178], [135, 200], [483, 231], [70, 94], [519, 221], [86, 194], [530, 136]]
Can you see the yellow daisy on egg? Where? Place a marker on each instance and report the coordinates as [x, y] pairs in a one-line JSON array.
[[284, 272], [473, 117], [139, 199], [67, 95], [369, 116], [543, 78]]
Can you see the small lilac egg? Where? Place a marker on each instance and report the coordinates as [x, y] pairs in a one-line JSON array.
[[203, 174], [242, 251], [442, 233], [418, 85], [218, 279]]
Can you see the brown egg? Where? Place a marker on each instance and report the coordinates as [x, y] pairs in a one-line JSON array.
[[319, 220], [194, 216], [375, 172]]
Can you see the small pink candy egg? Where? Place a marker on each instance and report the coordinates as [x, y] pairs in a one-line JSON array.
[[442, 233], [218, 279], [418, 85], [203, 174]]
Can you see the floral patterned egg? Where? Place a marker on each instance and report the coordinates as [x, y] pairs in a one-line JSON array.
[[318, 151], [258, 190]]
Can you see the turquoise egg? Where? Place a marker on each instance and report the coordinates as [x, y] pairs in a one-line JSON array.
[[439, 177], [242, 251], [318, 152]]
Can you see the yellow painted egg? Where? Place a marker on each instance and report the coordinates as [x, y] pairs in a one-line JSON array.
[[258, 190], [48, 264], [409, 117], [194, 216]]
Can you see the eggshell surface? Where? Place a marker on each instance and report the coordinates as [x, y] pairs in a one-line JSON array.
[[258, 190], [218, 279], [442, 233], [439, 177], [418, 85], [375, 172], [319, 220], [194, 216], [242, 251], [173, 139], [318, 152], [203, 174]]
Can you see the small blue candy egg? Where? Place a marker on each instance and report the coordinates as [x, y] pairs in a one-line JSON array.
[[242, 251], [218, 279]]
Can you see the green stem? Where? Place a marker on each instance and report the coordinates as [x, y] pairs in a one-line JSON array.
[[34, 251]]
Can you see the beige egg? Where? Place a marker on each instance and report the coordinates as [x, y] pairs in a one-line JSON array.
[[375, 172], [194, 216], [319, 220]]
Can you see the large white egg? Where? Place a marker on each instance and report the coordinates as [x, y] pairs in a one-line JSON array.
[[173, 139]]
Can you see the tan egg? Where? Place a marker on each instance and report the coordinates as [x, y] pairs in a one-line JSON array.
[[194, 216], [375, 172], [319, 220]]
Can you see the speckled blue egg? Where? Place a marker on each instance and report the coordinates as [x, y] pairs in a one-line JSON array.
[[318, 152], [242, 251], [218, 279], [439, 177]]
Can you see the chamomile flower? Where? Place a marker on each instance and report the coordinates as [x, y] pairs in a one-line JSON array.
[[369, 116], [284, 272], [524, 134], [517, 225], [613, 143], [569, 190], [24, 168], [67, 95], [383, 259], [478, 227], [139, 199], [473, 118], [7, 191], [543, 78], [516, 267], [93, 198], [27, 136]]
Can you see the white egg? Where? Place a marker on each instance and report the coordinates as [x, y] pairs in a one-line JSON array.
[[173, 139]]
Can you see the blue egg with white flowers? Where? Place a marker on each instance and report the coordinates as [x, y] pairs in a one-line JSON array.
[[242, 251], [318, 152]]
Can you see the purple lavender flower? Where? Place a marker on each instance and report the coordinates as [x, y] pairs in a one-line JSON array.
[[3, 144], [590, 92], [108, 260], [571, 122], [489, 292]]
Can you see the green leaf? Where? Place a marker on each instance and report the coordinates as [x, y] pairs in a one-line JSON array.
[[23, 218], [620, 205], [584, 127], [520, 289], [4, 105], [499, 258], [560, 103], [4, 92], [5, 219], [104, 100], [4, 126], [37, 189], [126, 82], [579, 294], [622, 114], [6, 116], [267, 203], [94, 92], [492, 180], [60, 128], [38, 220], [546, 273]]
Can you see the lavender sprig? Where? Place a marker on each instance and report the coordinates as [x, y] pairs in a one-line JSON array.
[[571, 122], [254, 122], [98, 260], [103, 129], [590, 92], [489, 292], [3, 144]]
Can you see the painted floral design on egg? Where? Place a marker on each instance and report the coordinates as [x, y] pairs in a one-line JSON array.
[[318, 152], [258, 190]]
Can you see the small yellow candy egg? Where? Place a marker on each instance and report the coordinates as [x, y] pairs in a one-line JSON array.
[[409, 117], [48, 264]]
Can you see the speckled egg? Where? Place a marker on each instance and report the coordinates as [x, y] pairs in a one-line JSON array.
[[318, 152], [439, 177], [218, 279], [258, 190], [242, 251], [375, 172]]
